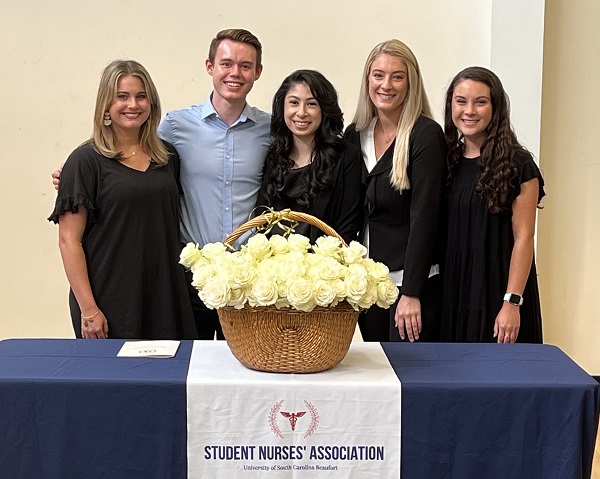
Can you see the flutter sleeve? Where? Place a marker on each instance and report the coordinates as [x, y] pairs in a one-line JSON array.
[[78, 184], [526, 170]]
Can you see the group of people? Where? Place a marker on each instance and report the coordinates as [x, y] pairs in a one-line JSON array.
[[451, 212]]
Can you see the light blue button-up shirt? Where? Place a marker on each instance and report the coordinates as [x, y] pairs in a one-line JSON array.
[[221, 167]]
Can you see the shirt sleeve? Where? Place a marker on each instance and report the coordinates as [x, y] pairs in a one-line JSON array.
[[78, 184], [526, 170], [165, 132]]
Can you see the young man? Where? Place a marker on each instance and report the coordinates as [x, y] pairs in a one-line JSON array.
[[222, 144]]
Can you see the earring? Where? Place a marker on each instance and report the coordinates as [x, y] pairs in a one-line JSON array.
[[107, 120]]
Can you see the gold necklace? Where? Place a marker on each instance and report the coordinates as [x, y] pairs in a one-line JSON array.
[[132, 152], [387, 140]]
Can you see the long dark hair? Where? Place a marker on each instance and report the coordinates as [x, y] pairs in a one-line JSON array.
[[498, 148], [328, 138]]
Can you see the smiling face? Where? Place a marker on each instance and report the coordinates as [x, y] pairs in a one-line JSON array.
[[234, 71], [388, 84], [131, 107], [472, 110], [301, 112]]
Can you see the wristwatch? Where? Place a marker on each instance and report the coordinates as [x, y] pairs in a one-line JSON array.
[[513, 298]]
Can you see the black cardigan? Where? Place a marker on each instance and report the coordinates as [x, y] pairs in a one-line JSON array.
[[405, 230]]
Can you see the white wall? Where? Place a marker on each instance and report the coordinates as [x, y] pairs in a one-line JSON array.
[[52, 53]]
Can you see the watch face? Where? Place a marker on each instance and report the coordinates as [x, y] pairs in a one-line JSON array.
[[514, 299]]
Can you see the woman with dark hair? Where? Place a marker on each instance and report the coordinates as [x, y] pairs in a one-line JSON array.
[[494, 187], [309, 167], [117, 211], [404, 169]]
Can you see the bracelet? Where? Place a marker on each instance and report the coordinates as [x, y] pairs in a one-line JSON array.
[[89, 318]]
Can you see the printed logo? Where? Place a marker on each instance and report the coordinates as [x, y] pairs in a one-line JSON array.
[[292, 417]]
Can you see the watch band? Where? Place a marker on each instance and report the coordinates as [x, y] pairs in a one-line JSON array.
[[513, 298]]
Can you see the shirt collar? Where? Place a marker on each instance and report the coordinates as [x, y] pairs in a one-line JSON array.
[[209, 110]]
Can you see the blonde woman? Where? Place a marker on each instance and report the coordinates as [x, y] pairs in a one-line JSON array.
[[118, 214], [404, 174]]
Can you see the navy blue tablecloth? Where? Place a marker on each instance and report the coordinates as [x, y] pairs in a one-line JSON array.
[[489, 411], [71, 409]]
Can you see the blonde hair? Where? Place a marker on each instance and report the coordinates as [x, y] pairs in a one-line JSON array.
[[415, 105], [103, 137]]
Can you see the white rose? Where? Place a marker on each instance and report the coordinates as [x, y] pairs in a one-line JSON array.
[[241, 272], [298, 243], [189, 255], [369, 298], [292, 264], [356, 286], [268, 268], [328, 246], [201, 274], [377, 271], [327, 269], [387, 293], [357, 268], [354, 252], [215, 293], [237, 298], [279, 244], [264, 292], [213, 250], [259, 246], [324, 293], [300, 294], [339, 287]]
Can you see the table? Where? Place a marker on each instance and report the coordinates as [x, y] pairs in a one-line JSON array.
[[71, 409]]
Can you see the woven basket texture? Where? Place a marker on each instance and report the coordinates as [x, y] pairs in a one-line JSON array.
[[287, 340]]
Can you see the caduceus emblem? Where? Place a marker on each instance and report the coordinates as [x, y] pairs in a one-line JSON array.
[[293, 417]]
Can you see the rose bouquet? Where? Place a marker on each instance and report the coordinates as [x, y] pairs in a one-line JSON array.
[[288, 272]]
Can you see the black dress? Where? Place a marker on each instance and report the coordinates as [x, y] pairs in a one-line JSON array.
[[478, 256], [131, 244]]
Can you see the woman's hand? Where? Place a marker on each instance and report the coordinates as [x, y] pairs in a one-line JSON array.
[[408, 317], [507, 324], [94, 328]]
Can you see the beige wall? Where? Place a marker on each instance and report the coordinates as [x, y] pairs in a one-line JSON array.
[[51, 56], [569, 225]]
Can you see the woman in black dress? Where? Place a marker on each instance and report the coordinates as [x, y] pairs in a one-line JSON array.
[[404, 173], [118, 215], [309, 167], [490, 284]]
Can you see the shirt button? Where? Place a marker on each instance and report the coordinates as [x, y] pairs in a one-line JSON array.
[[227, 182], [228, 157], [227, 208]]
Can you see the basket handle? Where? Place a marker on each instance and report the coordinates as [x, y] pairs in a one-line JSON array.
[[274, 217]]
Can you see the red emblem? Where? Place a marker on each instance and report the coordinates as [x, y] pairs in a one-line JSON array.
[[293, 418]]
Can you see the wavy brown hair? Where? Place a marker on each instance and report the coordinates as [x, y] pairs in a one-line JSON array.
[[498, 170]]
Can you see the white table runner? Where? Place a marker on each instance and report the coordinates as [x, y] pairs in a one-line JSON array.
[[242, 423]]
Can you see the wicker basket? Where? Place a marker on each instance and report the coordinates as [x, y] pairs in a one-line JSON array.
[[287, 340]]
